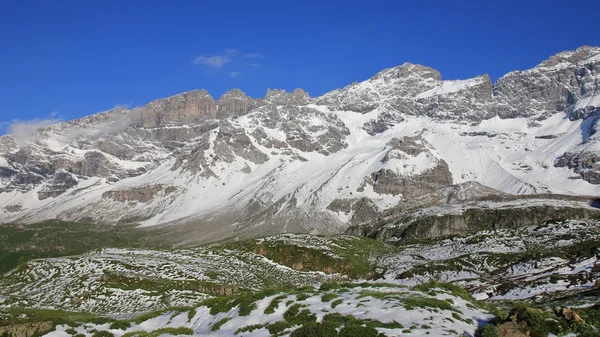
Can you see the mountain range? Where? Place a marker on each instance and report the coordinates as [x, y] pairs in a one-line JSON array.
[[400, 155]]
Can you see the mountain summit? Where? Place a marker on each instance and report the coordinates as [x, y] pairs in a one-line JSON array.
[[403, 140]]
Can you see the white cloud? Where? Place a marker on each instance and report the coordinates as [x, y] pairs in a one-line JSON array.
[[231, 52], [121, 106], [212, 61], [255, 56], [24, 131], [254, 64], [235, 74]]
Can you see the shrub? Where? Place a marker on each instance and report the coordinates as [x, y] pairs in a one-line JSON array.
[[102, 333], [316, 330], [328, 297], [220, 323], [120, 325], [487, 331]]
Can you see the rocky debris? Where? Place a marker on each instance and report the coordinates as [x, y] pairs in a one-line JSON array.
[[587, 164], [479, 134], [513, 329], [27, 329], [570, 316], [141, 194]]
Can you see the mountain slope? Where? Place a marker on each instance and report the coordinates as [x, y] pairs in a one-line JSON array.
[[239, 166]]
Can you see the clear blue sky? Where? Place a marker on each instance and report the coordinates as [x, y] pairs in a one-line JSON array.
[[75, 58]]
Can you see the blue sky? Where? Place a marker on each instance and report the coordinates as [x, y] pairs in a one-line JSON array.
[[67, 59]]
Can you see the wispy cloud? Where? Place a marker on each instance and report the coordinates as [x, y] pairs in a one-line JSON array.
[[24, 131], [212, 61], [121, 106], [232, 60], [231, 52], [254, 56]]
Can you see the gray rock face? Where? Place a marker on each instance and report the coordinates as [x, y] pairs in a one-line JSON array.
[[235, 103], [553, 86], [56, 185], [408, 184], [142, 194], [189, 107], [363, 209]]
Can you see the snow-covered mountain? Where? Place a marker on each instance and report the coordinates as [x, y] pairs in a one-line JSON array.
[[239, 166]]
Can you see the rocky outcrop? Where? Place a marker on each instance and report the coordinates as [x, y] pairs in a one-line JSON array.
[[470, 220], [142, 194], [403, 177], [553, 86], [235, 103], [189, 107], [359, 210], [58, 184], [27, 329]]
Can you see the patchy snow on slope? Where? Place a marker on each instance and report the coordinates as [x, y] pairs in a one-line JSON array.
[[448, 87], [402, 308]]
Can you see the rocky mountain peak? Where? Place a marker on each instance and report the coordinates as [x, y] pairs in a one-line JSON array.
[[184, 108], [234, 93], [282, 97], [408, 70], [235, 103], [583, 53]]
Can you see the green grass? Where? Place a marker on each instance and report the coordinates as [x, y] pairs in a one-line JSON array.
[[250, 328], [161, 331], [355, 255], [53, 238], [414, 301], [327, 297], [220, 323], [154, 314], [274, 304], [120, 325]]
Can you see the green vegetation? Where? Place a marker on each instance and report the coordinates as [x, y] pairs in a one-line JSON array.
[[327, 297], [336, 302], [120, 325], [114, 280], [102, 333], [245, 301], [250, 328], [53, 238], [350, 255], [161, 331], [154, 314], [487, 331], [415, 301], [220, 323], [449, 287], [57, 317], [274, 304]]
